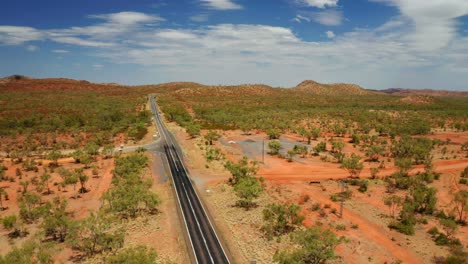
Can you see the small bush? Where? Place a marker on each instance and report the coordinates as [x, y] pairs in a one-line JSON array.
[[363, 186], [315, 207], [340, 227], [442, 240], [433, 231], [406, 229], [136, 255]]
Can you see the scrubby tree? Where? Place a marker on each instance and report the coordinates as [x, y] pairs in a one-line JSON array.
[[337, 146], [82, 178], [211, 136], [374, 172], [57, 224], [3, 194], [72, 179], [353, 165], [290, 155], [12, 223], [280, 219], [393, 202], [25, 185], [315, 133], [273, 133], [92, 149], [45, 177], [320, 147], [424, 198], [29, 252], [193, 130], [460, 203], [403, 164], [302, 150], [274, 147], [54, 156], [30, 207], [242, 169], [313, 246], [449, 225], [108, 151], [308, 135], [247, 188], [373, 152], [96, 234]]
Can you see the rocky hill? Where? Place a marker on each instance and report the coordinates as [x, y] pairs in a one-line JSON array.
[[313, 87], [426, 92]]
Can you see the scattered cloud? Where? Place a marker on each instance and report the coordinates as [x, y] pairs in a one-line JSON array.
[[221, 4], [81, 42], [433, 22], [32, 48], [98, 67], [328, 17], [318, 3], [299, 18], [12, 35], [60, 51], [199, 18], [159, 4], [233, 53], [128, 18]]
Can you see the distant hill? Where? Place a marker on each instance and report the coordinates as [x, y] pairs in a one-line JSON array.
[[426, 92], [19, 82], [15, 77], [313, 87], [202, 90]]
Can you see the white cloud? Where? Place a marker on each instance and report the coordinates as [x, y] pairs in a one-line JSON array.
[[199, 18], [60, 51], [328, 17], [12, 35], [330, 34], [81, 42], [128, 18], [32, 48], [221, 4], [433, 21], [299, 18], [319, 3], [375, 58], [98, 67]]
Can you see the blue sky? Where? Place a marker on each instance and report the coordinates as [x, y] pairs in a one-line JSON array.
[[377, 44]]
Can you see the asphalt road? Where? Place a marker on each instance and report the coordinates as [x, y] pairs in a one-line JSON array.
[[203, 238]]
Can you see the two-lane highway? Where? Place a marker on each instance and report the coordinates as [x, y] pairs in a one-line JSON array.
[[203, 238]]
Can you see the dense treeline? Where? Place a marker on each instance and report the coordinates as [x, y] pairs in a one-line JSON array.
[[288, 110], [68, 111]]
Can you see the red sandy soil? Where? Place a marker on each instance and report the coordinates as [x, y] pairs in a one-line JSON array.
[[373, 237], [87, 201], [456, 138]]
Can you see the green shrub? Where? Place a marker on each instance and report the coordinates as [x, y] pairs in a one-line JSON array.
[[134, 255], [280, 219], [433, 231], [406, 229]]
